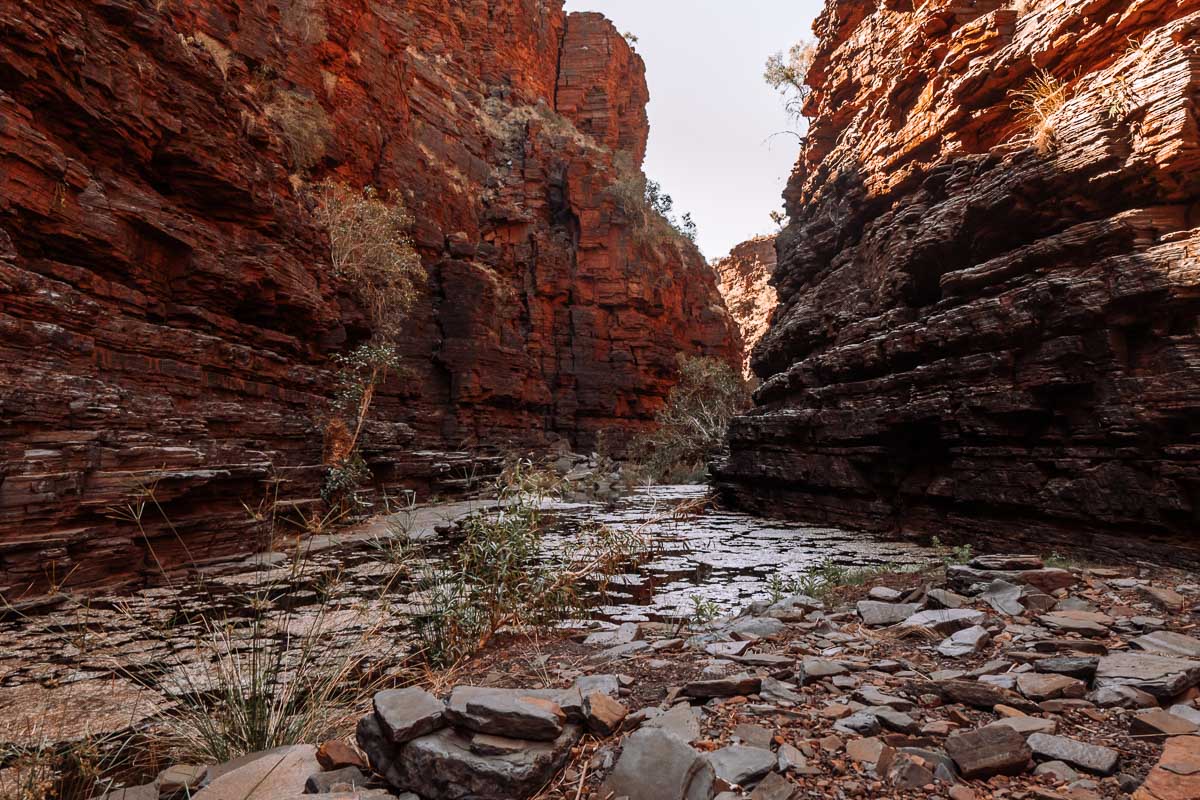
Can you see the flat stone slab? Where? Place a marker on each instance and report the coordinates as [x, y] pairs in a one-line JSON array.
[[1176, 776], [1159, 724], [655, 765], [741, 764], [1007, 561], [1038, 686], [945, 620], [408, 713], [682, 721], [443, 765], [966, 642], [33, 713], [1048, 580], [514, 713], [1090, 757], [875, 613], [1169, 643], [1161, 676], [283, 771], [623, 634], [989, 751], [1085, 623], [731, 686]]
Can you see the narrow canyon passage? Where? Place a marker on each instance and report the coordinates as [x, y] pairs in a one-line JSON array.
[[381, 416]]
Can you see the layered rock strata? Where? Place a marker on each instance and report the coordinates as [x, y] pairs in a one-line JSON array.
[[745, 276], [167, 309], [990, 285]]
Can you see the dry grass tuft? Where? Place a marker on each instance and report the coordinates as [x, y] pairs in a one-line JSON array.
[[304, 126], [222, 56], [1036, 105]]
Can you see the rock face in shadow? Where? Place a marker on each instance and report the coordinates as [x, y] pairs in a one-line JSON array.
[[167, 312], [978, 336], [745, 276]]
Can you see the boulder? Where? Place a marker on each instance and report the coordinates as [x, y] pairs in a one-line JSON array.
[[655, 765]]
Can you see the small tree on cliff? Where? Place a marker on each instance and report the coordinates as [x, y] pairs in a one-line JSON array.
[[787, 74], [692, 424], [371, 251]]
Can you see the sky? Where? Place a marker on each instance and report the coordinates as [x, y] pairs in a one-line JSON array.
[[711, 114]]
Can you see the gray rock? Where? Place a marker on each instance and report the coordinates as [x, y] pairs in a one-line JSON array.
[[682, 721], [945, 620], [1005, 597], [894, 720], [1090, 757], [1081, 667], [944, 598], [618, 652], [875, 613], [1169, 643], [754, 735], [322, 782], [1122, 697], [515, 713], [966, 642], [873, 697], [1160, 676], [989, 751], [1190, 713], [815, 669], [794, 607], [884, 594], [623, 634], [1062, 772], [408, 713], [148, 791], [1085, 623], [749, 629], [862, 723], [442, 765], [1027, 725], [1038, 686], [731, 686], [654, 765], [1047, 580], [739, 765], [777, 691], [774, 787], [282, 771]]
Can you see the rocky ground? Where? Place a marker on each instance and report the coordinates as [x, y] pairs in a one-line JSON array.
[[1001, 678]]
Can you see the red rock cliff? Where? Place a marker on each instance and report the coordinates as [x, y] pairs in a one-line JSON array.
[[167, 313], [988, 321], [745, 283]]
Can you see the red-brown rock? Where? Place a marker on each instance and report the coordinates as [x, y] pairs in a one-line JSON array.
[[167, 314], [745, 276], [976, 336]]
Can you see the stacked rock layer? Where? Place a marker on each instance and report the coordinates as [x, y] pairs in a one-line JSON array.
[[745, 276], [990, 285], [167, 309]]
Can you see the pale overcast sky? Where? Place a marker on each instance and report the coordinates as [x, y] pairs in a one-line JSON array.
[[710, 111]]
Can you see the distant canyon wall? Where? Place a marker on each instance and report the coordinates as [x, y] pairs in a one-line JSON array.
[[167, 310], [989, 319], [745, 283]]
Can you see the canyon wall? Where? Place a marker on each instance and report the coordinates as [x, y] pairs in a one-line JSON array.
[[745, 283], [989, 290], [167, 309]]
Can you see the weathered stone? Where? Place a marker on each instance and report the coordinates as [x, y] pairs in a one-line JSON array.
[[908, 771], [408, 713], [754, 735], [734, 685], [604, 715], [442, 765], [280, 772], [1176, 776], [989, 751], [872, 696], [982, 695], [1085, 623], [945, 620], [1090, 757], [1081, 667], [815, 669], [1169, 643], [875, 613], [1159, 724], [324, 782], [1005, 597], [739, 765], [944, 598], [514, 713], [1040, 686], [774, 787], [682, 721], [1160, 676], [655, 765], [965, 642], [861, 723], [623, 634], [865, 750], [1122, 697], [745, 276], [186, 778], [1007, 562], [335, 754], [1164, 597], [1027, 725]]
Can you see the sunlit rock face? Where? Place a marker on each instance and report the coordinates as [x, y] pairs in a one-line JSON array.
[[167, 312], [987, 322], [745, 276]]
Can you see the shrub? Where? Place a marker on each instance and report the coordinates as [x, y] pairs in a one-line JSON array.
[[692, 424], [370, 248], [1036, 105], [645, 203], [788, 75], [304, 126], [501, 576]]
